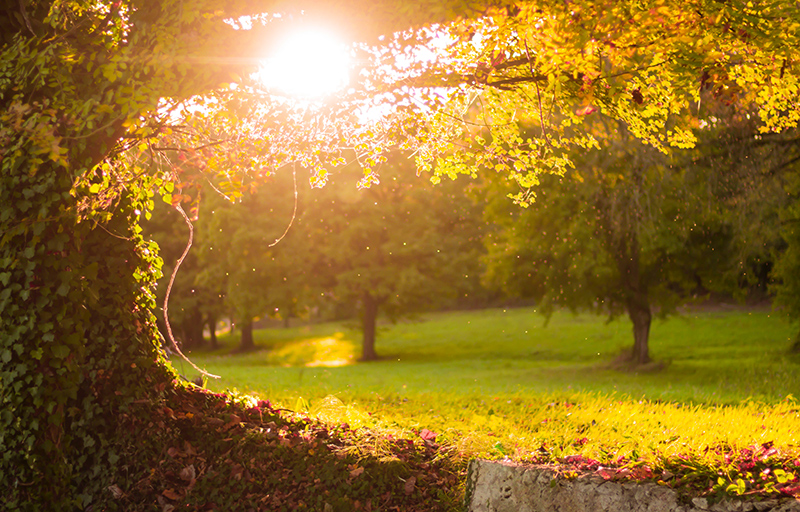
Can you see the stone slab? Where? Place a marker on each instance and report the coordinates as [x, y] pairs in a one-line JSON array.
[[494, 486]]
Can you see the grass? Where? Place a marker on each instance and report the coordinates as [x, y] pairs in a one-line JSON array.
[[499, 383]]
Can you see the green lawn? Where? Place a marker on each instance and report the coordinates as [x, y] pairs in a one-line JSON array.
[[500, 383], [719, 358]]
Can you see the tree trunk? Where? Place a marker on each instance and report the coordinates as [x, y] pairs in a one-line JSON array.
[[639, 313], [369, 317], [246, 344], [192, 330], [212, 331], [77, 340]]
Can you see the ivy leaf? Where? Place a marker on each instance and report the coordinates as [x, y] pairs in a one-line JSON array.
[[60, 351], [63, 289]]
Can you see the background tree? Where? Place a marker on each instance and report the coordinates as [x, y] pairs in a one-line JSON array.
[[748, 173], [787, 269], [256, 253], [629, 230], [397, 248], [786, 272]]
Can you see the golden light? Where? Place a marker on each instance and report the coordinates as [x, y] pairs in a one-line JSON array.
[[309, 63]]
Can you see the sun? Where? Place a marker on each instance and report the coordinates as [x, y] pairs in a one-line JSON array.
[[308, 63]]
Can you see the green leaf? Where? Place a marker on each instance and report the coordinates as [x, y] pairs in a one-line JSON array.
[[782, 476], [59, 351], [63, 289]]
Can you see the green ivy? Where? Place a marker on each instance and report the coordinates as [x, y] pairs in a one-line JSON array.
[[76, 334]]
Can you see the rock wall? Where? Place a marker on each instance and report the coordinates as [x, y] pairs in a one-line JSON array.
[[504, 487]]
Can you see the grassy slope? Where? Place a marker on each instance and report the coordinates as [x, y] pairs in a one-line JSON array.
[[500, 383]]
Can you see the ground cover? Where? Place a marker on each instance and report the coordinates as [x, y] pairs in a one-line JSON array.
[[202, 451], [718, 419]]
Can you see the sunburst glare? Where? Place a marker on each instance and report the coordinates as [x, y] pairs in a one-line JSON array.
[[309, 63]]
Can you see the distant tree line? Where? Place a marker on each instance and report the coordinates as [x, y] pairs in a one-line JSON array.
[[399, 247], [630, 230]]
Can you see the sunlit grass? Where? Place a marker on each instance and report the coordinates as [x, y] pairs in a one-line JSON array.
[[499, 383]]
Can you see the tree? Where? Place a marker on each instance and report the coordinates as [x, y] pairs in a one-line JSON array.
[[256, 252], [629, 230], [786, 271], [78, 340], [398, 247], [96, 97]]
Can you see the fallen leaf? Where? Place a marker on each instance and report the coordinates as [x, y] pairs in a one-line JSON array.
[[169, 493], [236, 471], [188, 473], [354, 473], [605, 474], [408, 488], [115, 491], [215, 422], [189, 448], [427, 435], [235, 420]]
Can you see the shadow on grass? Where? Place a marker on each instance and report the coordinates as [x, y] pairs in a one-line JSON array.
[[210, 452]]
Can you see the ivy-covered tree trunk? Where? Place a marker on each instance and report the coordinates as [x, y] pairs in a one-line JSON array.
[[76, 336], [369, 320], [78, 341]]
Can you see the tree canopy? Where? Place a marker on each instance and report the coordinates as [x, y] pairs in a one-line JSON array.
[[634, 231]]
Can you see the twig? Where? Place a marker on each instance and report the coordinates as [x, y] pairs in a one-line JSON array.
[[169, 289], [538, 96], [294, 212]]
